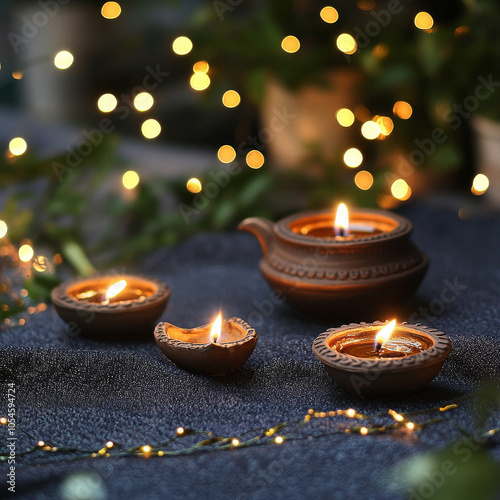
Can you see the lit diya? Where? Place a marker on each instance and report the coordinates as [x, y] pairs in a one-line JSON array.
[[214, 350], [353, 263], [382, 359], [110, 307]]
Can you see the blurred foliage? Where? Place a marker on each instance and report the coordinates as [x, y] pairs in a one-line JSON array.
[[464, 468]]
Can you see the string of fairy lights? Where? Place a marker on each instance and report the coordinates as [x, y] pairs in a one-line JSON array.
[[372, 127], [401, 423]]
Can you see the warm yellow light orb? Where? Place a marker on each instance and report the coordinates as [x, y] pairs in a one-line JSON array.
[[26, 253], [329, 14], [480, 184], [386, 125], [193, 185], [424, 21], [345, 117], [182, 45], [353, 157], [63, 59], [201, 67], [255, 159], [151, 128], [370, 130], [402, 110], [107, 103], [346, 43], [18, 146], [290, 44], [130, 179], [200, 81], [226, 154], [400, 189], [231, 99], [143, 101], [111, 10], [3, 228], [363, 180]]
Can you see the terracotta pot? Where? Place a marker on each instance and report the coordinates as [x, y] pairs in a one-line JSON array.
[[302, 121], [487, 141], [340, 278]]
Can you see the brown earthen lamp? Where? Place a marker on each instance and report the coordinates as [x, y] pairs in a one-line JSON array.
[[110, 307], [382, 359], [215, 350], [346, 265]]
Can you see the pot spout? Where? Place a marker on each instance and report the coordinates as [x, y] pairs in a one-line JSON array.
[[262, 229]]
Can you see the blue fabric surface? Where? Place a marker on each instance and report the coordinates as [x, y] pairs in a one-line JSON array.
[[79, 392]]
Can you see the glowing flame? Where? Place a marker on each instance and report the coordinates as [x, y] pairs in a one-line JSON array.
[[215, 331], [385, 334], [341, 225], [115, 289]]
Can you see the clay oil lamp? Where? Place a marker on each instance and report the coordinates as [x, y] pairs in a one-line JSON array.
[[108, 307], [214, 350], [382, 359], [340, 266]]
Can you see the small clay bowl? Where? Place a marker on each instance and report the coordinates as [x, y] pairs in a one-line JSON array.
[[382, 376], [366, 273], [192, 350], [127, 319]]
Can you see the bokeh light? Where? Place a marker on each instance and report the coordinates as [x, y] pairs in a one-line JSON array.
[[370, 130], [200, 81], [480, 184], [226, 154], [329, 14], [3, 228], [353, 157], [385, 124], [193, 185], [26, 252], [290, 44], [201, 67], [111, 10], [143, 101], [17, 75], [255, 159], [363, 180], [63, 59], [402, 110], [151, 128], [400, 189], [130, 179], [346, 43], [182, 45], [231, 99], [380, 50], [345, 117], [107, 103], [18, 146], [424, 21]]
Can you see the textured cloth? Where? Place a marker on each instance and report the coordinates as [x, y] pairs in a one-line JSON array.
[[79, 392]]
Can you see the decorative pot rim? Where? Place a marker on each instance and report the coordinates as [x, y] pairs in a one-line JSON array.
[[330, 357], [61, 298], [161, 336], [282, 228]]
